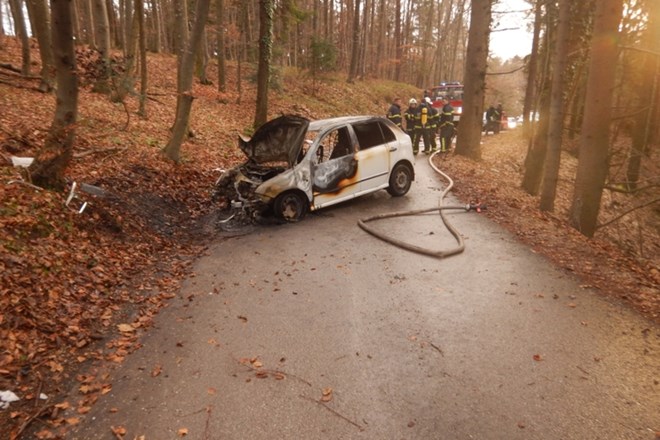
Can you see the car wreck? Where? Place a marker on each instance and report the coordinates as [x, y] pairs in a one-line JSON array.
[[295, 165]]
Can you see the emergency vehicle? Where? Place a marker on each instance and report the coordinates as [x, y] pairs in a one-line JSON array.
[[453, 92]]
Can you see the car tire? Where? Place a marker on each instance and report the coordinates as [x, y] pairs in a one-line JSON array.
[[400, 180], [290, 206]]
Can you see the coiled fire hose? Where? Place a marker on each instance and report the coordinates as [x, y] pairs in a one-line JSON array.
[[441, 208]]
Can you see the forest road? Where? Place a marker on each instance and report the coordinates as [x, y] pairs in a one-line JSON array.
[[317, 330]]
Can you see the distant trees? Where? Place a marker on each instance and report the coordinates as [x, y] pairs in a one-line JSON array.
[[593, 76], [422, 43]]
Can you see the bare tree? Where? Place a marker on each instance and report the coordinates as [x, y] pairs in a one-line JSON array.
[[469, 134], [266, 11], [594, 142], [532, 67], [222, 68], [355, 46], [40, 19], [185, 82], [139, 11], [647, 92], [16, 7], [102, 37], [53, 159], [553, 154]]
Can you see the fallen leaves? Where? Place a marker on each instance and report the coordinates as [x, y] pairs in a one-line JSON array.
[[326, 394]]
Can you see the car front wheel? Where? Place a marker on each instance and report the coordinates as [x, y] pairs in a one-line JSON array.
[[290, 206], [400, 180]]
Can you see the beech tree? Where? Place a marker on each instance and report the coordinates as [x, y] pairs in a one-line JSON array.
[[594, 142], [16, 7], [556, 118], [102, 38], [185, 81], [266, 10], [469, 135], [40, 19], [52, 160]]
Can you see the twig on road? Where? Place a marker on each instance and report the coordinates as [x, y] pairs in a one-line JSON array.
[[318, 402], [437, 348]]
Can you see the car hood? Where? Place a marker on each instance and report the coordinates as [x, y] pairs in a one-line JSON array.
[[278, 140]]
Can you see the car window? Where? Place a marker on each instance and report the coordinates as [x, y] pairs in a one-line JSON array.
[[335, 144], [371, 134]]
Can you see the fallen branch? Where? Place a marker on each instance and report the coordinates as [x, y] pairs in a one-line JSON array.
[[32, 418], [10, 67], [99, 151], [341, 416]]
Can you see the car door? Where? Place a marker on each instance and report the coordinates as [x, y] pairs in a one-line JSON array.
[[335, 168], [375, 142]]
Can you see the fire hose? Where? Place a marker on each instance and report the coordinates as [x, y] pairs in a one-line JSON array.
[[441, 208]]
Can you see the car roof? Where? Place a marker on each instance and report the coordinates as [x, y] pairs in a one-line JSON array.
[[322, 124]]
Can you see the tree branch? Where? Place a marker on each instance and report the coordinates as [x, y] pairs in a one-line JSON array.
[[506, 73], [627, 212]]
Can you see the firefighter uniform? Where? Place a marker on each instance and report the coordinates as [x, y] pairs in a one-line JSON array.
[[425, 127], [447, 128], [394, 113], [409, 115]]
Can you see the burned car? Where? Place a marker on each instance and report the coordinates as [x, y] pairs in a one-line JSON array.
[[296, 165]]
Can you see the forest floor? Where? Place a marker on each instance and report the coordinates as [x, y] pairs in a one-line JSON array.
[[78, 287]]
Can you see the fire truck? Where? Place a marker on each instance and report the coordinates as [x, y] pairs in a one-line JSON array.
[[453, 92]]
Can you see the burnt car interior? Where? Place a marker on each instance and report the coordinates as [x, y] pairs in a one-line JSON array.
[[335, 161]]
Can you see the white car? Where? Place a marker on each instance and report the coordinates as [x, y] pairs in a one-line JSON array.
[[295, 165]]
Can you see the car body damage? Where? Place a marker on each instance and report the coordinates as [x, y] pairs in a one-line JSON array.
[[295, 165]]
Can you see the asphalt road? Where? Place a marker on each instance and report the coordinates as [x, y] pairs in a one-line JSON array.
[[318, 330]]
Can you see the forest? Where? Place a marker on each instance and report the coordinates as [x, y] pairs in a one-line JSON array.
[[138, 98]]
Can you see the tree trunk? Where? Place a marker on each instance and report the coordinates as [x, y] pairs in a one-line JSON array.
[[102, 30], [355, 46], [184, 92], [51, 162], [16, 7], [398, 43], [266, 10], [594, 142], [202, 61], [555, 132], [469, 134], [157, 46], [2, 21], [40, 18], [647, 92], [529, 119], [139, 12], [222, 68]]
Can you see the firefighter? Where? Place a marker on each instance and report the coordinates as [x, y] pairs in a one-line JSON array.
[[409, 116], [394, 113], [421, 121], [434, 118], [491, 120], [447, 128]]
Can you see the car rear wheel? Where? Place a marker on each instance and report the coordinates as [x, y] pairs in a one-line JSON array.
[[290, 206], [400, 180]]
